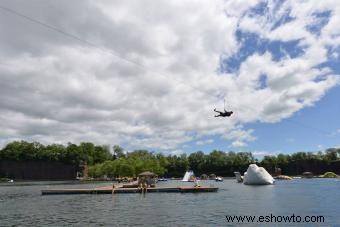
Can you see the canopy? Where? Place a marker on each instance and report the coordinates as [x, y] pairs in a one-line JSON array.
[[147, 173]]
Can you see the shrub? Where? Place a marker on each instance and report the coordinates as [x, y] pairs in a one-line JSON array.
[[329, 175], [4, 179]]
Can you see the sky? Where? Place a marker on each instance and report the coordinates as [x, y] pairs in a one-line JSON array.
[[148, 74]]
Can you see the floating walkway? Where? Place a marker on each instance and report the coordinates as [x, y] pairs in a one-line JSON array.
[[108, 190]]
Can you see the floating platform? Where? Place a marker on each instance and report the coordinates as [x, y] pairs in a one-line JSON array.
[[107, 190]]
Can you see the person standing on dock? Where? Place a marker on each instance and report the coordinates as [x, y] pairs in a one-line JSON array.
[[142, 183], [145, 185], [113, 189], [196, 182]]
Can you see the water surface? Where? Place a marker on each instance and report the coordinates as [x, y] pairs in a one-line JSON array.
[[22, 205]]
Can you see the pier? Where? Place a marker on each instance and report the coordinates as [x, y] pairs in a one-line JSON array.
[[108, 190]]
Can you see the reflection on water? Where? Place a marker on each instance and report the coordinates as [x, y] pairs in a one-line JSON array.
[[24, 205]]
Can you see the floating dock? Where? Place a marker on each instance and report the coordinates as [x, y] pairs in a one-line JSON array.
[[108, 190]]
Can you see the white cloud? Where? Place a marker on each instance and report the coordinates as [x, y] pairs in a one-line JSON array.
[[335, 133], [261, 154], [239, 136], [238, 143], [204, 142], [174, 152], [56, 89]]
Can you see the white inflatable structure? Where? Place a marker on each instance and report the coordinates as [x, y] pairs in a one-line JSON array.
[[188, 176], [238, 176], [257, 176]]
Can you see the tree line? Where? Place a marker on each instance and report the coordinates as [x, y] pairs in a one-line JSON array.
[[70, 153], [119, 163]]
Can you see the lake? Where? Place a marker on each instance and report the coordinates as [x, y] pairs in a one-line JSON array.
[[23, 204]]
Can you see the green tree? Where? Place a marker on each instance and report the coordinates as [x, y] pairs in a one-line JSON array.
[[125, 170], [73, 154], [101, 154], [109, 168], [12, 151], [196, 161], [95, 171], [87, 152], [118, 152], [331, 154], [54, 152]]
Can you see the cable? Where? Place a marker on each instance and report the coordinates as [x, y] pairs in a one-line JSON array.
[[115, 54], [67, 34]]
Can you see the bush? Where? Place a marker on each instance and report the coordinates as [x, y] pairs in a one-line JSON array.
[[329, 175], [4, 179]]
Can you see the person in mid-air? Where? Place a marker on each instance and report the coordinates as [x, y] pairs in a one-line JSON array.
[[223, 114]]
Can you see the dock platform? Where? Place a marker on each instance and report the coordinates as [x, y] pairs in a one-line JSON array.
[[108, 190]]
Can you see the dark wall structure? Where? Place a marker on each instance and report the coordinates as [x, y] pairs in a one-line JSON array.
[[37, 170], [335, 167], [317, 167]]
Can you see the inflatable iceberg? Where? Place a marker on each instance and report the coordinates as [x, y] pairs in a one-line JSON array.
[[257, 176], [188, 176]]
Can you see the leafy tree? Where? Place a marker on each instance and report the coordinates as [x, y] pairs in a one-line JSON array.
[[331, 154], [95, 171], [196, 161], [109, 168], [101, 154], [73, 154], [125, 170], [54, 152], [12, 151], [102, 162], [118, 152], [87, 152]]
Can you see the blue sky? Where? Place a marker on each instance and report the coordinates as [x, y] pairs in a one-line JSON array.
[[312, 129], [150, 78]]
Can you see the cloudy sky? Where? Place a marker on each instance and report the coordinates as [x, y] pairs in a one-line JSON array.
[[148, 74]]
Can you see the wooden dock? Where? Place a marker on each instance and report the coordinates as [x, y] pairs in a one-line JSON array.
[[108, 190]]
